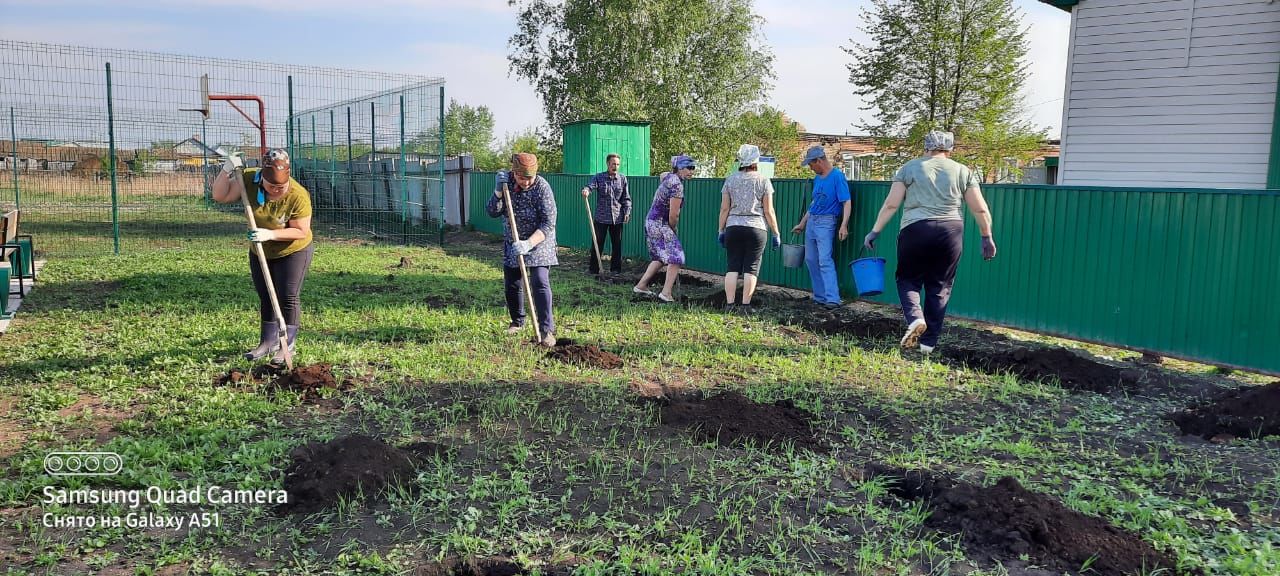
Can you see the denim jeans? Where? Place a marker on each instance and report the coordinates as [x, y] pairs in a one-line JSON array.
[[819, 244]]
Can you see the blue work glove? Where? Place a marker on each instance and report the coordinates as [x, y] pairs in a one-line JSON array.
[[777, 241], [988, 248], [870, 240], [501, 178], [522, 247], [720, 239], [261, 235]]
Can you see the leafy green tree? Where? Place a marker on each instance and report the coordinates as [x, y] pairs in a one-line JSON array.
[[775, 134], [469, 130], [956, 65], [690, 68], [549, 153]]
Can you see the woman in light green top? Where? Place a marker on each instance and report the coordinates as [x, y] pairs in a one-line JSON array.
[[930, 240]]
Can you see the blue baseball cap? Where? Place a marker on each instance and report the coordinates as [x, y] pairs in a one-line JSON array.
[[813, 153]]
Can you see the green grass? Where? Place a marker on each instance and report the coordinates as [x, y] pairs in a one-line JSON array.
[[549, 462]]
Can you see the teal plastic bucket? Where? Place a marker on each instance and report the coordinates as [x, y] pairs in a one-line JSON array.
[[868, 275]]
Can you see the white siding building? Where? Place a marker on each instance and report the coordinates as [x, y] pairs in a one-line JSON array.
[[1171, 93]]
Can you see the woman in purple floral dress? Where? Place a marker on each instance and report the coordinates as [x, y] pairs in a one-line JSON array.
[[660, 228]]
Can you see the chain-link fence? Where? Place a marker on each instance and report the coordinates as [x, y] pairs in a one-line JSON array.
[[107, 150]]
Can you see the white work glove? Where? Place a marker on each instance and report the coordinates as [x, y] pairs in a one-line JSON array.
[[586, 191], [232, 164], [261, 235], [522, 247]]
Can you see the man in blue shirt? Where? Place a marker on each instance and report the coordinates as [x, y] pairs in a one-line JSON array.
[[830, 201], [613, 209]]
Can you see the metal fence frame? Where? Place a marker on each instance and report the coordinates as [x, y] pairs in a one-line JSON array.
[[1185, 273]]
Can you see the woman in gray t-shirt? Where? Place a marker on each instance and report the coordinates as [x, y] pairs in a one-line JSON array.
[[930, 240], [746, 216]]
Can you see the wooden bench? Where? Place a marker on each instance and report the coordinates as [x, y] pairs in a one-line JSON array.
[[10, 248]]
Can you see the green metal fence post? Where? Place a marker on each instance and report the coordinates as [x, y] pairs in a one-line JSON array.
[[351, 184], [13, 135], [404, 184], [332, 156], [289, 126], [111, 145], [311, 154], [440, 162]]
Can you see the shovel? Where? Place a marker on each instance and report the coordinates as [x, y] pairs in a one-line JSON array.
[[524, 272], [266, 277], [595, 243]]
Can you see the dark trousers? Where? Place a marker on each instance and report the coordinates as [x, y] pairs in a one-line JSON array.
[[745, 246], [928, 253], [540, 281], [614, 231], [287, 274]]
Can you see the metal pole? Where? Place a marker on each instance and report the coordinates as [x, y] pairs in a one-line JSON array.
[[311, 155], [289, 127], [332, 155], [404, 184], [204, 160], [440, 163], [111, 143], [351, 186], [13, 134]]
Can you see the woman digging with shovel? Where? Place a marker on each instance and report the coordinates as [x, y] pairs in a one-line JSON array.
[[529, 205], [281, 210]]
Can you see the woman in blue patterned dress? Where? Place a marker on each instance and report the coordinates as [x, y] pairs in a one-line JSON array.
[[660, 228]]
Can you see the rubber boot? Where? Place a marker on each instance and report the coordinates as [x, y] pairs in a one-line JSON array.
[[292, 339], [268, 342]]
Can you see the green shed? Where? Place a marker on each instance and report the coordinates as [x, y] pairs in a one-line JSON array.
[[588, 142]]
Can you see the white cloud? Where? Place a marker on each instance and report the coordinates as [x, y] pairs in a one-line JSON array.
[[477, 76], [121, 34], [293, 6]]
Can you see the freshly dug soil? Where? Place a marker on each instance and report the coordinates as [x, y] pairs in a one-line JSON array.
[[483, 567], [321, 472], [1006, 520], [1073, 370], [305, 379], [865, 326], [1244, 413], [732, 419], [568, 351]]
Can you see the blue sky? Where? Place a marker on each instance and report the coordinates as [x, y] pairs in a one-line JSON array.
[[465, 41]]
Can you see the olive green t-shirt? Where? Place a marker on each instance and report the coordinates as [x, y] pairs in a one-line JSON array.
[[935, 189], [276, 214]]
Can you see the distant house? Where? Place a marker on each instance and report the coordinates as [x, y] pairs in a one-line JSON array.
[[1176, 93], [864, 158]]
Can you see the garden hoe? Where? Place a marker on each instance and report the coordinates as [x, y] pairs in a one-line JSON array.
[[266, 277], [595, 243], [524, 272]]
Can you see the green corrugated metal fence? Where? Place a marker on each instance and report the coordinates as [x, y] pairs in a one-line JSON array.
[[1182, 272]]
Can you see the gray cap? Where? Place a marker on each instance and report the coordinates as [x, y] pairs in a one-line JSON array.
[[813, 153], [939, 140]]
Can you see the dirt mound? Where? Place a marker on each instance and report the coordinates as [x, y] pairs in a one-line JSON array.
[[716, 300], [570, 352], [1244, 413], [1075, 371], [484, 567], [321, 472], [1006, 521], [308, 380], [732, 419]]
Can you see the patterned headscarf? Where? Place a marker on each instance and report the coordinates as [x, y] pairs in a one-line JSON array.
[[939, 140], [682, 161], [275, 166], [524, 164]]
